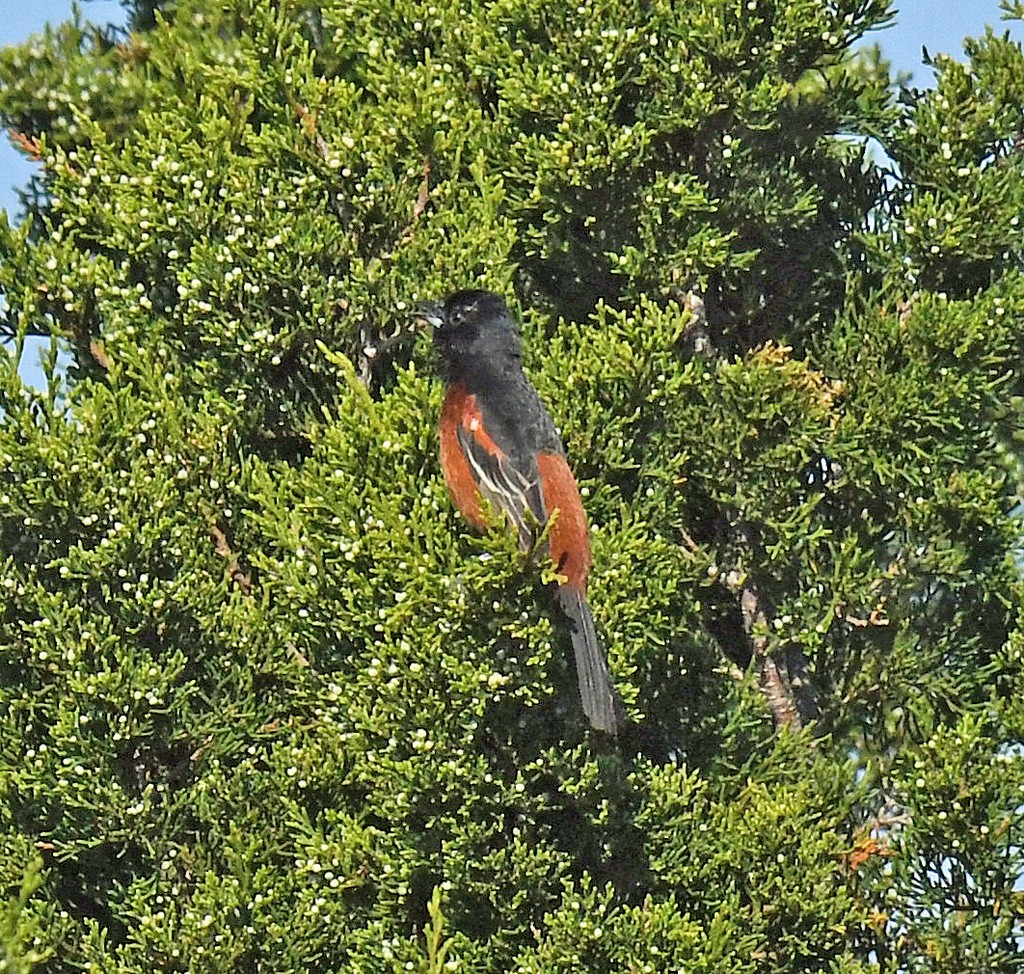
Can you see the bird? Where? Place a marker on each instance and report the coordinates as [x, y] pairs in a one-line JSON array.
[[498, 443]]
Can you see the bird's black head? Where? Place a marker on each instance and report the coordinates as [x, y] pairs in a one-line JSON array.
[[474, 332]]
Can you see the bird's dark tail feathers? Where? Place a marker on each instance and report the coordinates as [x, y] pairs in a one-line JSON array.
[[600, 702]]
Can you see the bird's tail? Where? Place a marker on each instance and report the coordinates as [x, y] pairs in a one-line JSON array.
[[600, 702]]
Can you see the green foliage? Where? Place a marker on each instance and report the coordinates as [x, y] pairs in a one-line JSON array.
[[24, 934], [267, 704], [956, 200]]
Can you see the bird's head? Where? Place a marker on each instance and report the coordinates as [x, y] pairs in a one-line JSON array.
[[472, 330]]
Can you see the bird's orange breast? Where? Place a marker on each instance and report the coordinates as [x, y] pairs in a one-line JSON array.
[[569, 539], [460, 409]]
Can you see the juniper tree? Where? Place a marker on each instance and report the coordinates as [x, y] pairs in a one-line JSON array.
[[269, 705]]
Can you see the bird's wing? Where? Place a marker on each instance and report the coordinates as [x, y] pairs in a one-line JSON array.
[[513, 491]]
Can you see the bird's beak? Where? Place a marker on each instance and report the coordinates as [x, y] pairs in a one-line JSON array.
[[432, 312]]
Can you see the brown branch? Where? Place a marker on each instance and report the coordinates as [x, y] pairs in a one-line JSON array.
[[132, 52], [99, 353], [690, 543], [366, 353], [294, 650], [874, 619], [424, 196], [242, 579], [201, 749], [905, 308], [308, 122], [89, 345], [697, 333], [370, 343], [774, 684], [28, 144]]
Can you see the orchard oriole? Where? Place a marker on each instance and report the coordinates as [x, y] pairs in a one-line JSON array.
[[498, 442]]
